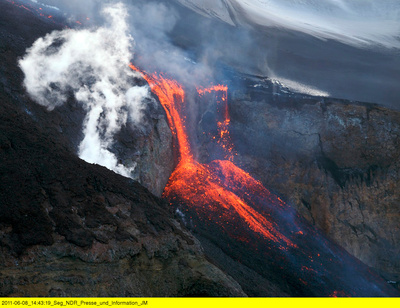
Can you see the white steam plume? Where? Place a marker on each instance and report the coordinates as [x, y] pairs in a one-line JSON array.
[[93, 66]]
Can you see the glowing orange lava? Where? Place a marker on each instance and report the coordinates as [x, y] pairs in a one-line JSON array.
[[219, 188], [171, 96]]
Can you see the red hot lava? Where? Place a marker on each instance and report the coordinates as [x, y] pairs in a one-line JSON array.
[[214, 188]]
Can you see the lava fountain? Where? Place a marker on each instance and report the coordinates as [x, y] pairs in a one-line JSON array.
[[237, 211]]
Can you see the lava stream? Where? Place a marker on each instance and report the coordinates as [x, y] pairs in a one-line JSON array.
[[171, 96], [202, 186]]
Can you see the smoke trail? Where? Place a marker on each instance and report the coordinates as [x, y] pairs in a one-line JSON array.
[[92, 65], [298, 87]]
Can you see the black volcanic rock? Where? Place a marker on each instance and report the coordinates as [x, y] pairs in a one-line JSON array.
[[69, 228]]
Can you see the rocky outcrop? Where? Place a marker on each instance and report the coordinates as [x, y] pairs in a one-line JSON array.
[[148, 147], [335, 161]]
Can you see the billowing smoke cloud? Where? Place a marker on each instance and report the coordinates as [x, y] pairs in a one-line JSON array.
[[91, 65]]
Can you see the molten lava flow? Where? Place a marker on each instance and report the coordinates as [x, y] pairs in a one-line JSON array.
[[216, 189], [171, 96]]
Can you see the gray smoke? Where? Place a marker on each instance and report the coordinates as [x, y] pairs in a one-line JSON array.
[[92, 65], [152, 25]]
